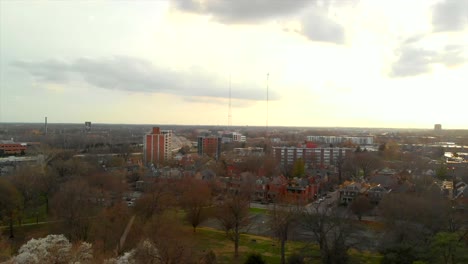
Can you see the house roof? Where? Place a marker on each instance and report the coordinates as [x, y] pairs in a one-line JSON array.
[[385, 180]]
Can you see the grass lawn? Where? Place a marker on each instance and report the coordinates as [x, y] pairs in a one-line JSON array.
[[212, 239], [33, 216]]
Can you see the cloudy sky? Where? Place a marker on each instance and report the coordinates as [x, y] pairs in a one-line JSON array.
[[347, 63]]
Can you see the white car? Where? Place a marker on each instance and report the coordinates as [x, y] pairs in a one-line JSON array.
[[319, 200]]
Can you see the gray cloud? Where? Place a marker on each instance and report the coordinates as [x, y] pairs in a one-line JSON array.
[[243, 11], [136, 75], [450, 15], [317, 26], [412, 61], [415, 60]]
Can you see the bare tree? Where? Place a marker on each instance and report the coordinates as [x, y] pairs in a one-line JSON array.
[[47, 183], [233, 215], [360, 206], [24, 179], [270, 166], [109, 225], [107, 186], [172, 240], [251, 164], [74, 204], [281, 220], [247, 186], [157, 198], [331, 230], [195, 198], [412, 220], [10, 203], [361, 164]]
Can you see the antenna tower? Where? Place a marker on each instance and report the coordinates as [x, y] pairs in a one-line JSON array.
[[268, 76], [230, 111]]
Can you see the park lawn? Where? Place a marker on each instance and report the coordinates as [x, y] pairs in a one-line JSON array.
[[211, 239], [258, 210], [365, 257], [35, 215], [207, 239]]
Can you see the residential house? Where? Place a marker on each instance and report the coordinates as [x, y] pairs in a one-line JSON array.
[[302, 190], [350, 190], [376, 193]]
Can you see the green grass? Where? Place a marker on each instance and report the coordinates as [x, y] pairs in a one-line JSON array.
[[258, 210], [211, 239], [37, 215], [365, 257]]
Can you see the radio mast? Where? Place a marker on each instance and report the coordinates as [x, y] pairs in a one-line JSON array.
[[230, 110], [268, 76]]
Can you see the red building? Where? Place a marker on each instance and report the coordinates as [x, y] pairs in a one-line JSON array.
[[157, 146], [210, 146], [11, 148]]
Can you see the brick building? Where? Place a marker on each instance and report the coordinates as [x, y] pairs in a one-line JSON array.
[[210, 146], [157, 146], [9, 148]]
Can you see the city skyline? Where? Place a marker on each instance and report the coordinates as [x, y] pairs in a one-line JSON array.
[[337, 63]]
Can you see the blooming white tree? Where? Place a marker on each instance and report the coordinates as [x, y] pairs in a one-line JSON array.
[[53, 249], [145, 252]]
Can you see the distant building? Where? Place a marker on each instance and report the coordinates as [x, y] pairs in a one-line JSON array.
[[87, 126], [358, 140], [250, 151], [10, 148], [157, 146], [438, 127], [237, 137], [210, 146], [275, 140], [233, 137], [317, 156]]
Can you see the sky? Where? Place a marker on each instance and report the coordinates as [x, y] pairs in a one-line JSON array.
[[328, 63]]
